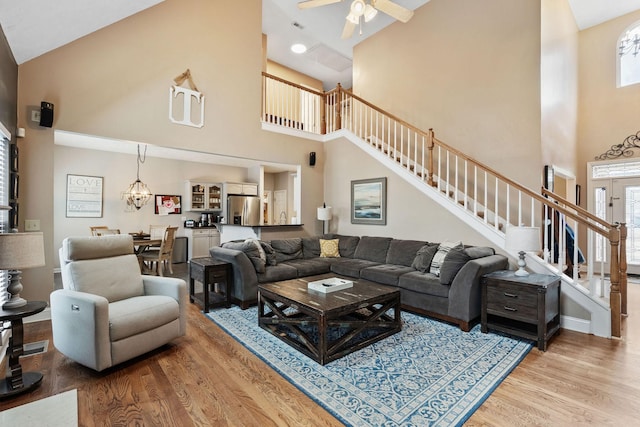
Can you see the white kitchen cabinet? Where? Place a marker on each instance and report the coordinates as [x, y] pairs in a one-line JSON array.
[[200, 240], [203, 196], [247, 189]]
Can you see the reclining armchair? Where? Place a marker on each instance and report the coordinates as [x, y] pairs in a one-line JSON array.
[[107, 311]]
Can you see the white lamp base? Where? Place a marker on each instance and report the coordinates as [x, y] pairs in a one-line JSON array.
[[521, 265]]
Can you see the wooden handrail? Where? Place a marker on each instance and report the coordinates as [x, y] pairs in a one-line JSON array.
[[297, 86], [577, 208]]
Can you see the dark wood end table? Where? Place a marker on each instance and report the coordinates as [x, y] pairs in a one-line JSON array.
[[328, 326], [210, 272], [524, 306], [16, 381]]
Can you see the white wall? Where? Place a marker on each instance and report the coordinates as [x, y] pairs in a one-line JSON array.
[[163, 176]]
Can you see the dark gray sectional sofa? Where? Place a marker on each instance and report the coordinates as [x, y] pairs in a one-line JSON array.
[[453, 295]]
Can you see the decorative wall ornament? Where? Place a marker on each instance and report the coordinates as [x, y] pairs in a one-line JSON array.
[[189, 96], [621, 150]]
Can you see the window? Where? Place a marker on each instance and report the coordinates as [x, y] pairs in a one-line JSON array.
[[629, 56]]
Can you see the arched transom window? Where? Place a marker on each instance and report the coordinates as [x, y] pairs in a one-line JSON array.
[[629, 56]]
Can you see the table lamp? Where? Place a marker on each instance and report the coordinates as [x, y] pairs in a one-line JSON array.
[[324, 214], [522, 240], [18, 251]]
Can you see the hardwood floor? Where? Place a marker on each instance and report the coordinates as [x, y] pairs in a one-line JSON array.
[[207, 378]]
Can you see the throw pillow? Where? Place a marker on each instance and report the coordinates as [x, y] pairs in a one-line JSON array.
[[250, 251], [256, 243], [329, 248], [456, 259], [441, 253], [423, 258], [269, 252]]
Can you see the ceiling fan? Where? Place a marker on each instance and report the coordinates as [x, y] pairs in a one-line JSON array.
[[360, 9]]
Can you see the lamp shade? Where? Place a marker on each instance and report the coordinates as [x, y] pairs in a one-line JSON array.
[[324, 213], [526, 239], [21, 250]]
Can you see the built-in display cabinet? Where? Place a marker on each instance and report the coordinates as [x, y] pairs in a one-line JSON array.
[[203, 196]]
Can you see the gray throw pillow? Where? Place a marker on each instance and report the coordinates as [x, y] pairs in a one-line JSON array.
[[456, 259], [423, 258], [251, 251], [269, 252]]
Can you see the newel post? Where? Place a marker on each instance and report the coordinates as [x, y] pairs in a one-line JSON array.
[[323, 114], [430, 145], [338, 105], [623, 268], [614, 295]]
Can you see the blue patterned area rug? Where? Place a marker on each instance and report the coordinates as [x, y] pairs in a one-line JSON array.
[[429, 374]]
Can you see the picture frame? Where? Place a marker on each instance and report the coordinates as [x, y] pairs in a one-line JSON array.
[[369, 201], [84, 196], [167, 204]]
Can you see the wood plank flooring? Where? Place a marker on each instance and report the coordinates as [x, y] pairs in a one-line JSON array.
[[208, 379]]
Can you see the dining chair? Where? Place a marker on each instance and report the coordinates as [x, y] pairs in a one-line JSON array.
[[161, 257], [107, 232], [156, 232], [97, 228]]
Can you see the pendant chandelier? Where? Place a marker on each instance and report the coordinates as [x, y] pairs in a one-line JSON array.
[[138, 194]]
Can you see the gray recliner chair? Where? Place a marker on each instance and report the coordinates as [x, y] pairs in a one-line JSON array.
[[107, 311]]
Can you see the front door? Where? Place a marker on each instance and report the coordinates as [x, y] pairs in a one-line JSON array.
[[625, 207]]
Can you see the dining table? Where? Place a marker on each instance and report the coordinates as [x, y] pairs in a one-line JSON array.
[[143, 241]]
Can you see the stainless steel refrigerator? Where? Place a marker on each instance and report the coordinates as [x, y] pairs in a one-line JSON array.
[[243, 210]]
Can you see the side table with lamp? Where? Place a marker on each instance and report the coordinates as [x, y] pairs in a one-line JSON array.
[[19, 251]]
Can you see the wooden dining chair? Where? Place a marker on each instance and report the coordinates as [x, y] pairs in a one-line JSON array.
[[107, 232], [97, 228], [156, 232], [161, 258]]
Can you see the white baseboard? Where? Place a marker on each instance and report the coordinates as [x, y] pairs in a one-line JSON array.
[[575, 324]]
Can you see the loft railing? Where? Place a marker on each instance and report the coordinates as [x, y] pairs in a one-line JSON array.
[[483, 192]]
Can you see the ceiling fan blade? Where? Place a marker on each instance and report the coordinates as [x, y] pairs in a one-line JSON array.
[[316, 3], [392, 9], [347, 31]]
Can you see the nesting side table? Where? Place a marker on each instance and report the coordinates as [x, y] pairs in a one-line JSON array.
[[216, 278], [16, 381]]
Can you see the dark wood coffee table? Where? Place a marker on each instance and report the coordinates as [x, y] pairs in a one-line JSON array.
[[328, 326]]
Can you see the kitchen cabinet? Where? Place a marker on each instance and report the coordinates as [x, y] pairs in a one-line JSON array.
[[203, 196], [200, 240], [247, 189]]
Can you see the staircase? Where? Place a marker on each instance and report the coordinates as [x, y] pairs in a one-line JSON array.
[[476, 194]]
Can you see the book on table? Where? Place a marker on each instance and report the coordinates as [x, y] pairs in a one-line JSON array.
[[329, 285]]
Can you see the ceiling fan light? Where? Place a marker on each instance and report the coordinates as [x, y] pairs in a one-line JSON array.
[[357, 8], [354, 19], [369, 13]]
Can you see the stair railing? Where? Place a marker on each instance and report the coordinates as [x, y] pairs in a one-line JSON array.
[[488, 195]]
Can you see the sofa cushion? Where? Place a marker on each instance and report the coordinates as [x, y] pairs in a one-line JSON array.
[[440, 255], [479, 251], [347, 244], [423, 258], [250, 249], [136, 315], [309, 267], [373, 249], [329, 248], [287, 249], [403, 252], [385, 274], [456, 259], [310, 247], [424, 283], [277, 272], [350, 266]]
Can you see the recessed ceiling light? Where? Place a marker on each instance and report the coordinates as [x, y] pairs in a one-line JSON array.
[[298, 48]]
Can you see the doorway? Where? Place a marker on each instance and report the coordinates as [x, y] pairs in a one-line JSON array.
[[615, 197]]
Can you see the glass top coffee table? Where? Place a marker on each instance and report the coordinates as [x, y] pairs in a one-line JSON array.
[[328, 326]]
